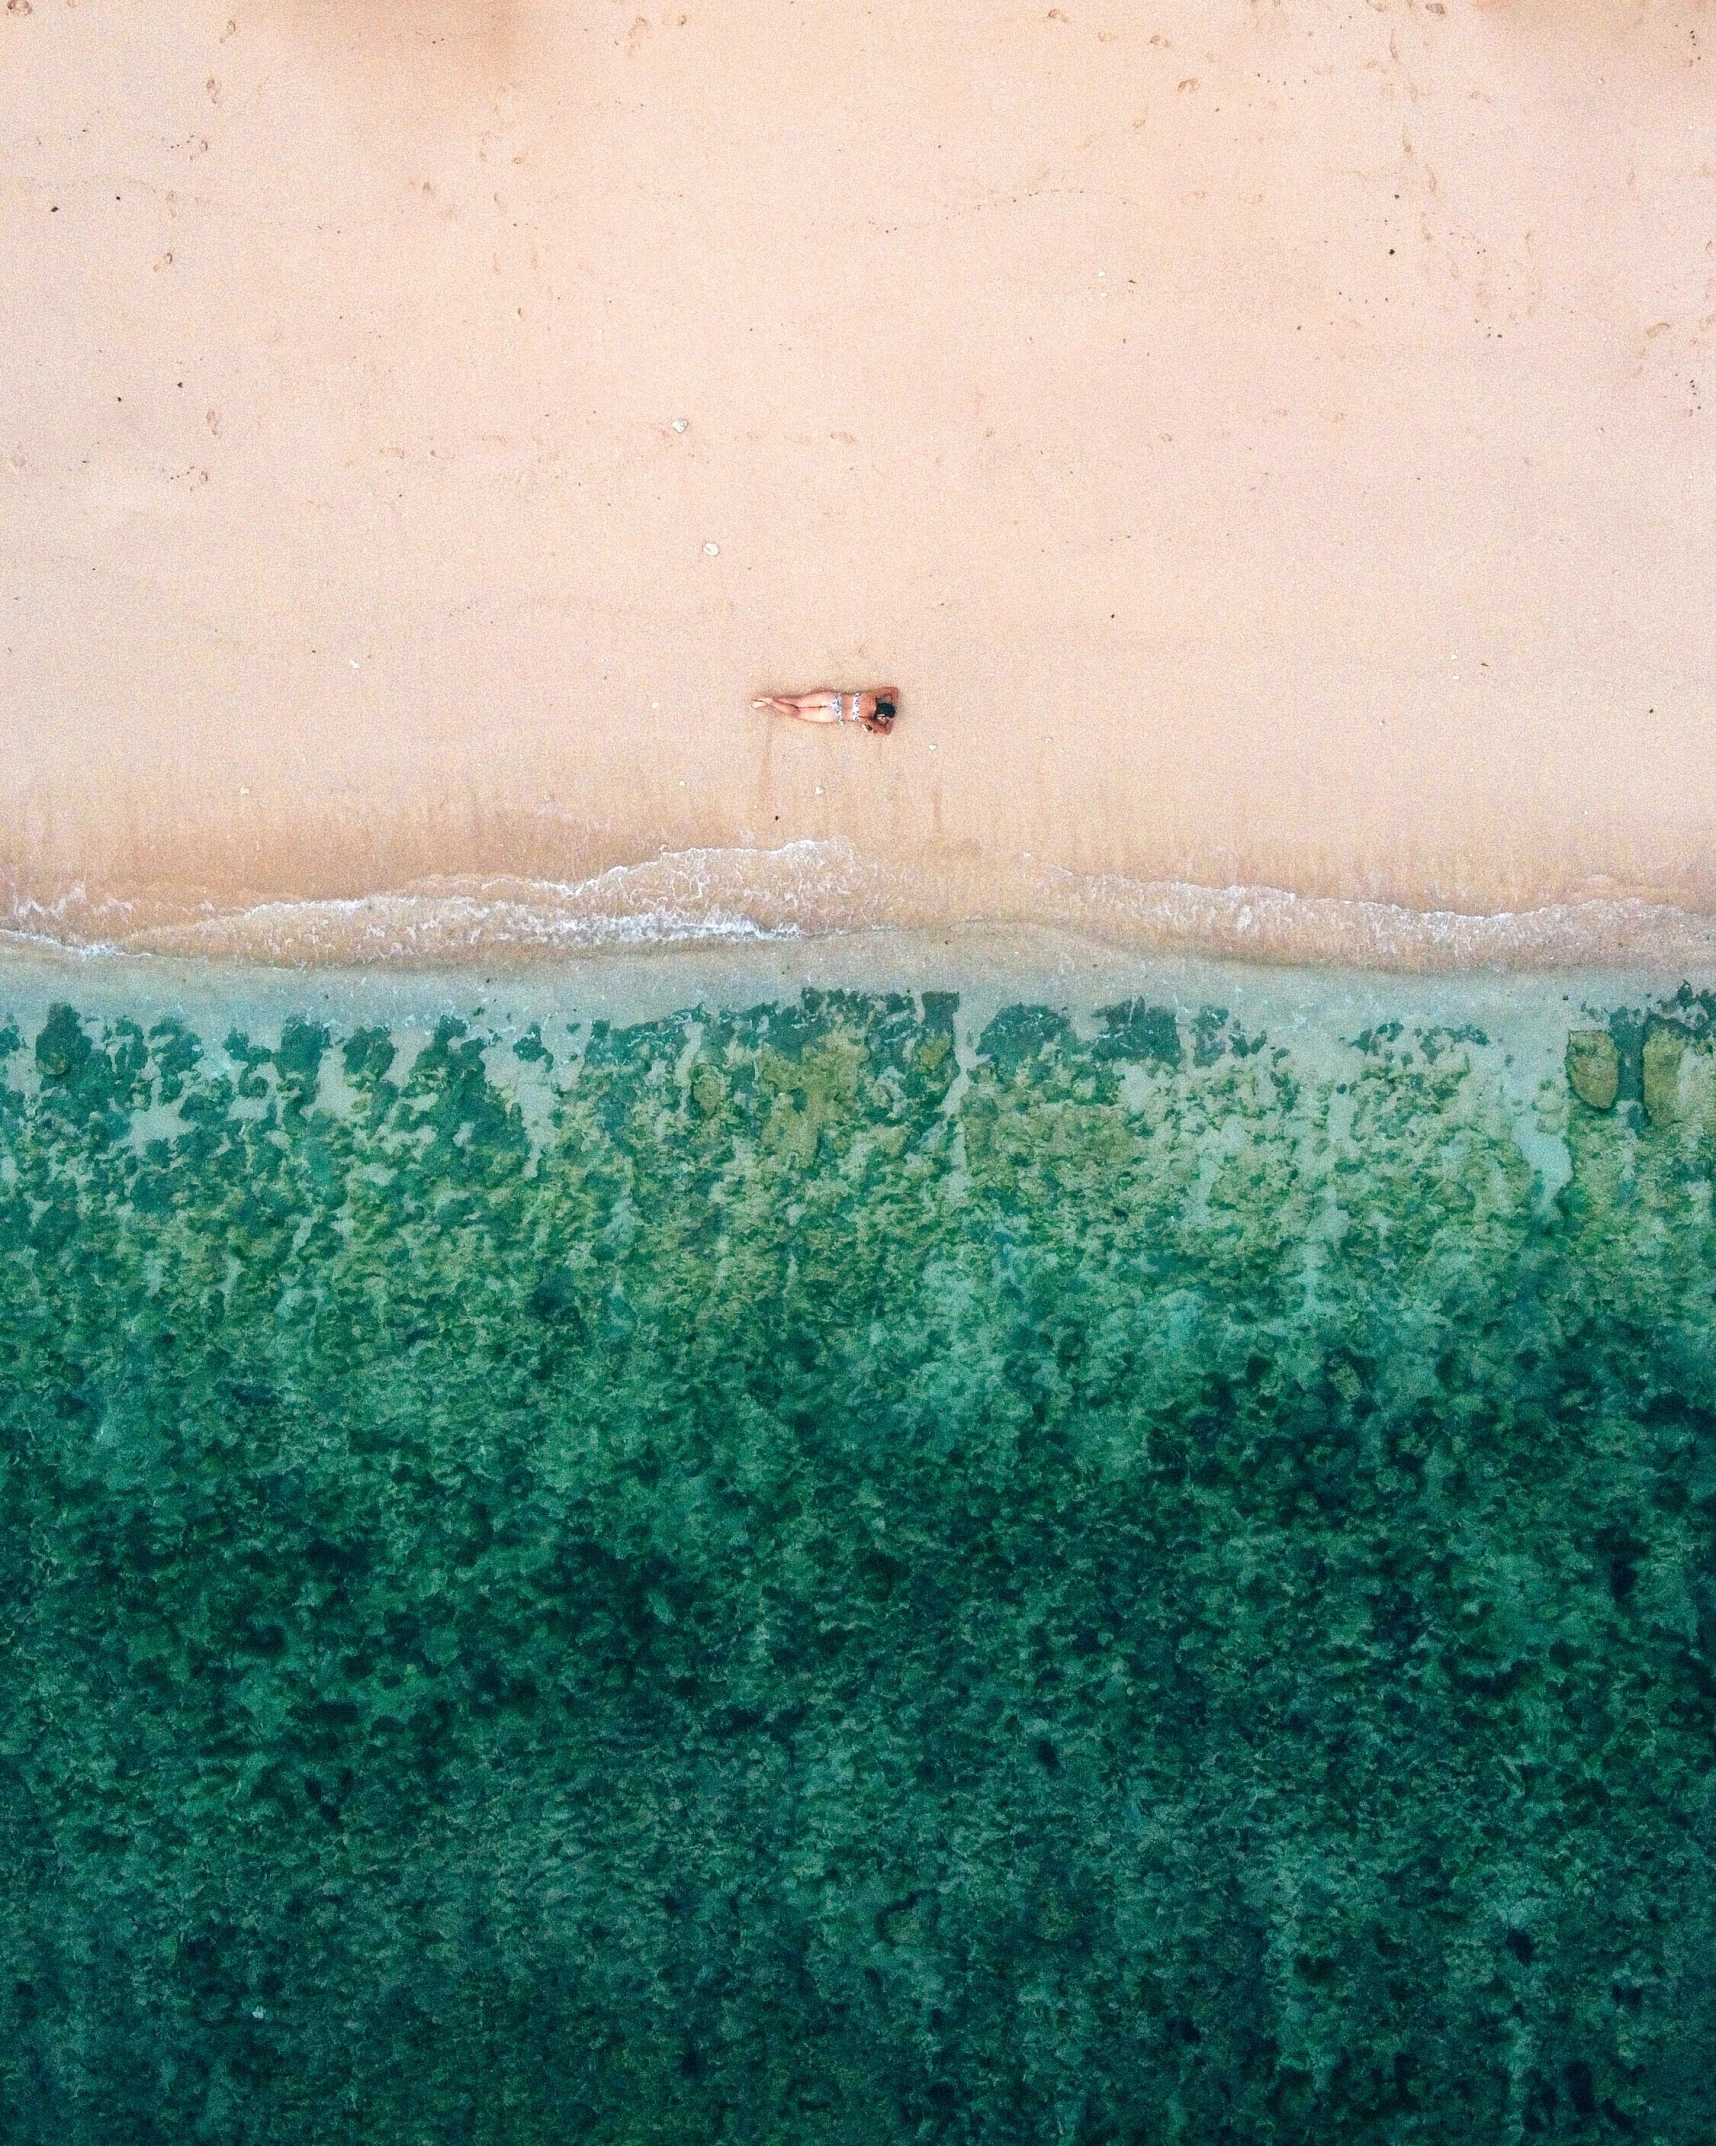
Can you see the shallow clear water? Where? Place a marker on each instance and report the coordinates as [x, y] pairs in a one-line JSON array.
[[1012, 1564]]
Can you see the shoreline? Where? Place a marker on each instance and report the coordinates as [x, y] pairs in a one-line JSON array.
[[807, 892]]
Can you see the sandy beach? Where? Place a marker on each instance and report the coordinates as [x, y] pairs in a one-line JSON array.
[[1266, 444]]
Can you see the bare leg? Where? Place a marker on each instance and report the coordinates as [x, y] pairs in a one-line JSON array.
[[820, 707]]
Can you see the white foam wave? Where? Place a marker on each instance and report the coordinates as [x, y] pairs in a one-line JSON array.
[[680, 897], [813, 888], [1275, 924]]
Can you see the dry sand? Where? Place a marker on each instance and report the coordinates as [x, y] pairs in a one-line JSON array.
[[1266, 443]]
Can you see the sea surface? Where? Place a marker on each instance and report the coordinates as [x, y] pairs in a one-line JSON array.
[[947, 1537]]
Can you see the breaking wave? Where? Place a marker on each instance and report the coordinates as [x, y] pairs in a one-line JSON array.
[[809, 888]]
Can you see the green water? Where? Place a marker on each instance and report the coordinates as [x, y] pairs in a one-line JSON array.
[[824, 1573]]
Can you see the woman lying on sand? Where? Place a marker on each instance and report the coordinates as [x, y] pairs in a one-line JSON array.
[[874, 709]]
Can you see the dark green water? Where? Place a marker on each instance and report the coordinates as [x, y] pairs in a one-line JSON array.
[[731, 1580]]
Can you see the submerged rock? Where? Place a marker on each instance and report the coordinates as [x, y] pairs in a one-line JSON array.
[[1594, 1067], [1663, 1050]]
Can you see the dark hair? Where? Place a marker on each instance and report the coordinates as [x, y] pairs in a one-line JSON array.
[[885, 709]]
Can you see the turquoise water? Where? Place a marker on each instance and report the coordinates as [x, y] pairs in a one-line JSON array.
[[856, 1565]]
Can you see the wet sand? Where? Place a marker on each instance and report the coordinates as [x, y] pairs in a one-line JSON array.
[[1266, 444]]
